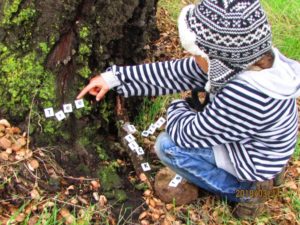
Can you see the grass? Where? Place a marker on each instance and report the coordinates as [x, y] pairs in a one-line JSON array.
[[284, 17]]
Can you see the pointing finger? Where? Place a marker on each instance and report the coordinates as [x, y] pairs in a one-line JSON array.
[[86, 90]]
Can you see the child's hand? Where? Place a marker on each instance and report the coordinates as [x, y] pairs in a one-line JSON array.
[[97, 87]]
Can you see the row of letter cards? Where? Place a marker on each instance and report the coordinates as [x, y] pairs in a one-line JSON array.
[[134, 146], [151, 130], [67, 108]]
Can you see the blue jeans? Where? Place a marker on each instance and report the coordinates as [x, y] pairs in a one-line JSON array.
[[198, 166]]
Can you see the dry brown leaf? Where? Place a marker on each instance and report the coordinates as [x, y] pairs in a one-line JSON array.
[[49, 204], [5, 123], [95, 185], [35, 194], [67, 216], [21, 152], [143, 177], [2, 128], [74, 201], [102, 200], [33, 164], [83, 200], [5, 143], [16, 130], [8, 151], [16, 147], [20, 217], [145, 222], [33, 220], [28, 153], [169, 206], [22, 141], [152, 203], [291, 185], [143, 215], [147, 193], [155, 216], [4, 156], [81, 213]]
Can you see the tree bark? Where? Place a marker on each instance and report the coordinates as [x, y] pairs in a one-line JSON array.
[[50, 48]]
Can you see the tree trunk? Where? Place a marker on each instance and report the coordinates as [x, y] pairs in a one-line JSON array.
[[49, 49]]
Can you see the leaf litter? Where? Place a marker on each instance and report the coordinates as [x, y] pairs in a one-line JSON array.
[[33, 177]]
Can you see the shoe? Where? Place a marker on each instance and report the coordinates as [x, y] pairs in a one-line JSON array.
[[253, 207], [279, 178]]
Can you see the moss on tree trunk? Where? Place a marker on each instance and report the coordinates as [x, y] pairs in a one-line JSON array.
[[48, 51]]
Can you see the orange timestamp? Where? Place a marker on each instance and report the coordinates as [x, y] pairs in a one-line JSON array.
[[258, 193]]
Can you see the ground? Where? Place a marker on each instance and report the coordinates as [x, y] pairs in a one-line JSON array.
[[35, 189]]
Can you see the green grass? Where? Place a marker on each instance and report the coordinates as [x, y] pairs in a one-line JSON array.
[[284, 17], [151, 109], [296, 154]]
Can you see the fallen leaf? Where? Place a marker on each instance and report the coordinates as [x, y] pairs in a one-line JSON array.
[[143, 215], [147, 193], [95, 185], [16, 147], [2, 128], [5, 143], [67, 216], [102, 200], [82, 200], [291, 185], [35, 194], [5, 123], [96, 196], [4, 156], [8, 151], [20, 217], [143, 177], [33, 164], [33, 220], [22, 141], [145, 222]]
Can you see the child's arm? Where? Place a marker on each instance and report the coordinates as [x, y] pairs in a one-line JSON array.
[[159, 78]]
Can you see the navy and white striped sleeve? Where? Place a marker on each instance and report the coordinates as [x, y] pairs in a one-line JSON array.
[[159, 78], [231, 117]]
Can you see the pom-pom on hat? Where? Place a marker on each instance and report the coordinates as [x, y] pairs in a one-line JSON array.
[[231, 34]]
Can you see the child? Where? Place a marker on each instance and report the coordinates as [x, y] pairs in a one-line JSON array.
[[248, 131]]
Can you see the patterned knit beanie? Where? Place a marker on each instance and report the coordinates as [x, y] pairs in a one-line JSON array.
[[230, 34]]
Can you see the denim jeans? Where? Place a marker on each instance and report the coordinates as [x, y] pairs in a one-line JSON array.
[[198, 166]]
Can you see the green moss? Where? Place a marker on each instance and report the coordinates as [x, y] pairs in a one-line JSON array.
[[44, 47], [109, 178], [84, 49], [101, 153], [85, 72], [22, 77], [84, 32], [24, 15], [9, 9], [120, 195], [13, 17]]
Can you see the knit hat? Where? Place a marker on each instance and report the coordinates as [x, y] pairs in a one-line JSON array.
[[230, 34]]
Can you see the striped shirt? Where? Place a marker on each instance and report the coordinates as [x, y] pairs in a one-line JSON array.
[[258, 131]]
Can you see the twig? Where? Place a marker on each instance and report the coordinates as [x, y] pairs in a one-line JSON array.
[[44, 164], [36, 177], [136, 209], [78, 178], [29, 119]]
